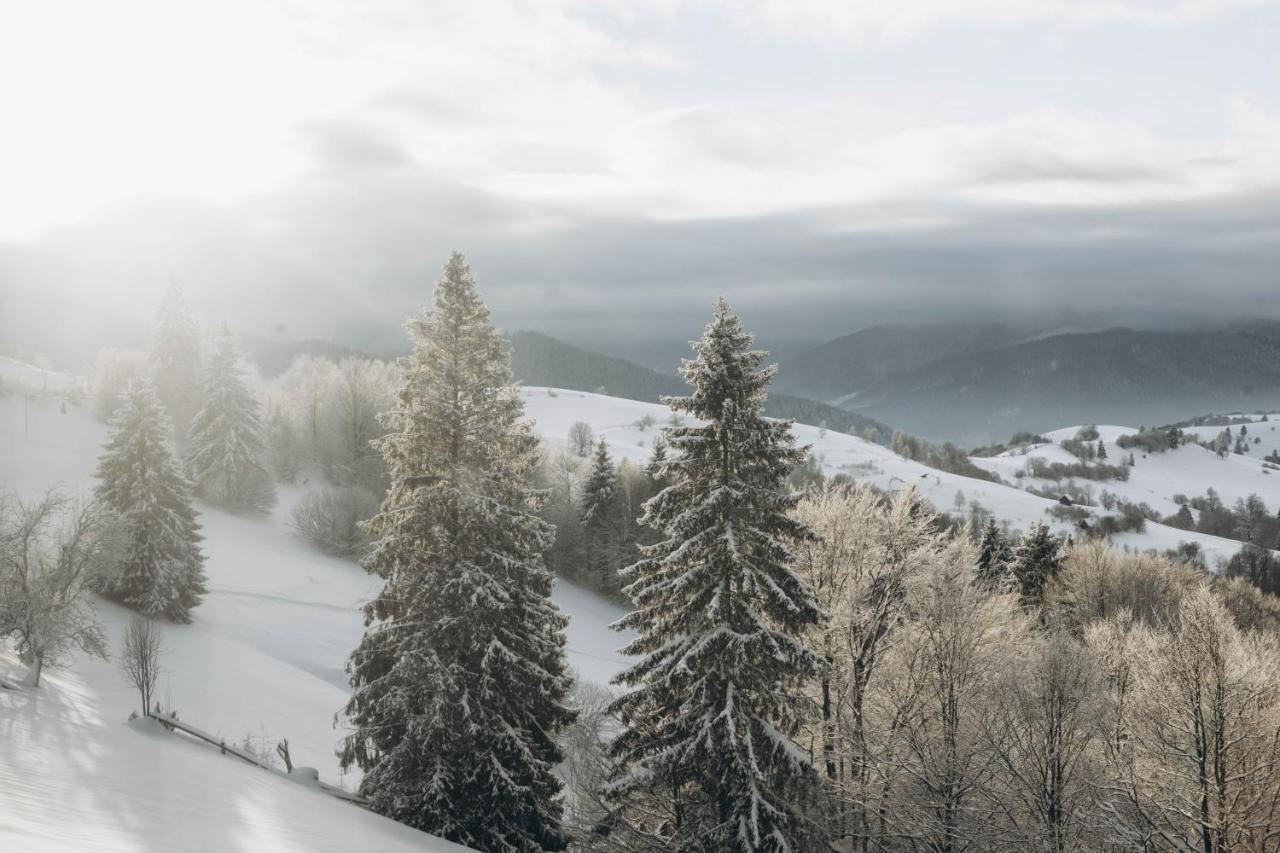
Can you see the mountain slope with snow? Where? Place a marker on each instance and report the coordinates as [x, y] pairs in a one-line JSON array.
[[262, 659], [630, 427]]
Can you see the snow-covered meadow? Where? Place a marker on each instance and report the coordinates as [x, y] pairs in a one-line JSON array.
[[630, 428], [264, 656], [262, 659]]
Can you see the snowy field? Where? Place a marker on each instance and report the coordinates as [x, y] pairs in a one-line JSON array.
[[263, 658], [619, 422]]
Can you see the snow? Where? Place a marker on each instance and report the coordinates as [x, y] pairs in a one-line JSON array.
[[31, 379], [264, 657], [74, 776], [1157, 477], [617, 421]]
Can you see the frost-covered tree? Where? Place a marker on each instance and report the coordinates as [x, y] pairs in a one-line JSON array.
[[715, 698], [1037, 560], [994, 557], [600, 516], [460, 682], [871, 552], [175, 361], [161, 569], [51, 551], [656, 465], [362, 389], [580, 438], [226, 439]]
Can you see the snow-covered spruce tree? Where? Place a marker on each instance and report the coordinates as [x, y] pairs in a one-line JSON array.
[[460, 682], [720, 613], [161, 569], [226, 440], [994, 556], [175, 361], [1037, 560], [600, 518]]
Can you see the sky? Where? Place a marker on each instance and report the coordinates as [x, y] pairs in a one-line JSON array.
[[302, 168]]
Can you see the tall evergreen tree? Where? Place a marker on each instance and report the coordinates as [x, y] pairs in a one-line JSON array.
[[600, 517], [460, 681], [161, 568], [175, 361], [710, 718], [993, 557], [227, 442], [1037, 560]]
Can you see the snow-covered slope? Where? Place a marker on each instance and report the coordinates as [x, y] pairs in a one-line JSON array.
[[622, 424], [264, 655], [263, 658], [1156, 477]]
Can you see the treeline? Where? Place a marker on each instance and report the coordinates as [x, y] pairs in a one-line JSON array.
[[946, 457]]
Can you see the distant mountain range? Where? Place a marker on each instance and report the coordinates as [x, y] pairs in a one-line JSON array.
[[539, 359], [970, 383], [976, 382]]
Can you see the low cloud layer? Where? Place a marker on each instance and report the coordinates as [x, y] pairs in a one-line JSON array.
[[609, 172]]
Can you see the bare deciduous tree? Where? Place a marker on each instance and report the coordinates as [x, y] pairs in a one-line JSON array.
[[581, 439], [51, 552], [140, 658]]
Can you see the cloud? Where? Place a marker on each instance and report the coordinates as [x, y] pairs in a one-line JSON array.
[[869, 22], [611, 168]]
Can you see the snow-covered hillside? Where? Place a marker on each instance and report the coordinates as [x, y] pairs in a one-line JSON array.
[[1156, 477], [264, 655], [263, 658], [623, 424]]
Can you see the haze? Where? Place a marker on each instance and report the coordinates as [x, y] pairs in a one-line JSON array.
[[303, 168]]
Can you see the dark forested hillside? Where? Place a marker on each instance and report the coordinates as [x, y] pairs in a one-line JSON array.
[[539, 359], [1118, 375], [860, 360]]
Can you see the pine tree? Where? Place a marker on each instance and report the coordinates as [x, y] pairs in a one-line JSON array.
[[460, 681], [655, 467], [993, 557], [1037, 560], [175, 361], [710, 718], [161, 568], [600, 517], [227, 442], [1102, 449]]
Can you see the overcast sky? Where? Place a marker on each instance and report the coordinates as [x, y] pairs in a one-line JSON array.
[[303, 168]]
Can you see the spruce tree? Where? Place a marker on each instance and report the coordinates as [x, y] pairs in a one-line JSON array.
[[711, 714], [161, 568], [227, 442], [993, 557], [655, 467], [1102, 449], [599, 517], [175, 361], [1037, 560], [460, 681]]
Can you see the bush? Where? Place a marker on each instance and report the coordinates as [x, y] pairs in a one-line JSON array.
[[330, 517], [1044, 470]]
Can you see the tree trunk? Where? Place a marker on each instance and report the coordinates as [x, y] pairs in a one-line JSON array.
[[32, 678]]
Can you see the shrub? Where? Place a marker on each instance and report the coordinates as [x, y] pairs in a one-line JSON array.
[[330, 517]]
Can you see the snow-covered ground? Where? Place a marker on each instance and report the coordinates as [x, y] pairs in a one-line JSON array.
[[1156, 477], [263, 658], [621, 424], [264, 655]]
